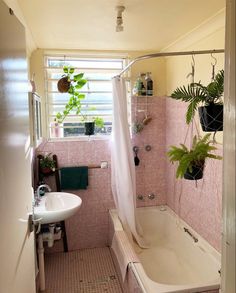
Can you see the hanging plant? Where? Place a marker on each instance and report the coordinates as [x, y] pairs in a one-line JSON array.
[[211, 113], [192, 161], [71, 83]]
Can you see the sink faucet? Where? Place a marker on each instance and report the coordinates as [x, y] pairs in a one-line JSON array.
[[37, 193]]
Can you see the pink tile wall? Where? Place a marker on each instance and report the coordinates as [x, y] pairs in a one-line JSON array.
[[199, 204], [150, 174], [89, 227]]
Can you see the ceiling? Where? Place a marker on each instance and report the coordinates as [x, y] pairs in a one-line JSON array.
[[90, 24]]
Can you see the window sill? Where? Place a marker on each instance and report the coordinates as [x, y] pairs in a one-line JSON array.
[[81, 138]]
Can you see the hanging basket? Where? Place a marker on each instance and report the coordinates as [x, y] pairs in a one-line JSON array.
[[63, 85], [196, 174], [89, 128], [211, 117]]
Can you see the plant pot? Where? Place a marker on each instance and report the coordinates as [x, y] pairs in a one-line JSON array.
[[89, 128], [63, 85], [211, 117], [46, 171], [196, 174]]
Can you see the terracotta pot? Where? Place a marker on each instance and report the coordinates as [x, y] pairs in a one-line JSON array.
[[46, 171]]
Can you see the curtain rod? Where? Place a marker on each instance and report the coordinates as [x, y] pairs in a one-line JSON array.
[[166, 54]]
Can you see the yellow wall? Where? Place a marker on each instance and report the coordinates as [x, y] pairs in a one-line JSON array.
[[177, 68]]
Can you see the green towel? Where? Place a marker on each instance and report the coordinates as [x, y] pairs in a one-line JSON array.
[[74, 178]]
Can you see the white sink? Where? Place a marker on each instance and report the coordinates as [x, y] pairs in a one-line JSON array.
[[56, 206]]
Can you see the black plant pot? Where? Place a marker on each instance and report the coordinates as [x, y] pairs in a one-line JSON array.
[[89, 128], [211, 117], [196, 174]]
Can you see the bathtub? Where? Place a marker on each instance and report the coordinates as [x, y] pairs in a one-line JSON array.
[[178, 259]]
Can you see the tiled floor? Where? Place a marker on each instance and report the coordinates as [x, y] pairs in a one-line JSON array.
[[83, 271]]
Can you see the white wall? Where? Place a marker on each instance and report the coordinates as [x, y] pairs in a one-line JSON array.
[[17, 273]]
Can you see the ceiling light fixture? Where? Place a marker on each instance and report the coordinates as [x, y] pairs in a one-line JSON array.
[[119, 19]]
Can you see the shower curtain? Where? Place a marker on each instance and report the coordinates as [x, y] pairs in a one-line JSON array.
[[122, 164]]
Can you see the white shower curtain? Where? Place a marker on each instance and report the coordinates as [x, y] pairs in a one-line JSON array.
[[122, 164]]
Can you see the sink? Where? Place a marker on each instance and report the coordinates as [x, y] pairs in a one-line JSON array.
[[56, 206]]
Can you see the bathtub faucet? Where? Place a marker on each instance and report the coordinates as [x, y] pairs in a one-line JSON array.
[[190, 234]]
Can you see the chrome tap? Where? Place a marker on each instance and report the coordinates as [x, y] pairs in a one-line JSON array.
[[37, 193]]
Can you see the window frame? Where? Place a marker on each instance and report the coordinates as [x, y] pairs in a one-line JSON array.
[[110, 57]]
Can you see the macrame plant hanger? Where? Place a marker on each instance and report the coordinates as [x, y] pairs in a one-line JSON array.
[[191, 129], [193, 122], [213, 67]]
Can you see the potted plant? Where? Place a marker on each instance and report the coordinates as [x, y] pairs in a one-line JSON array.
[[90, 122], [71, 83], [192, 161], [47, 164], [211, 113]]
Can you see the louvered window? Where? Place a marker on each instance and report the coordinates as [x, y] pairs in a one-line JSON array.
[[98, 93]]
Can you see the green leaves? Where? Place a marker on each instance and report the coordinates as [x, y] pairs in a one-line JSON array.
[[74, 101], [99, 122], [187, 158], [75, 97], [80, 83], [78, 77], [47, 161], [196, 93]]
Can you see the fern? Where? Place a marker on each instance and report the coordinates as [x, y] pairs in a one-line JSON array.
[[196, 93], [196, 156]]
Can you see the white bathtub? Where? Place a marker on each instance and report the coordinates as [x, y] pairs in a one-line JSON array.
[[174, 262]]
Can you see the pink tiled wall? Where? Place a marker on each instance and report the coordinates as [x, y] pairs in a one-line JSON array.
[[151, 172], [89, 226], [197, 203]]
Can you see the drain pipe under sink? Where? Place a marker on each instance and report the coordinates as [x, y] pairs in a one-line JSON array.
[[49, 237], [41, 262]]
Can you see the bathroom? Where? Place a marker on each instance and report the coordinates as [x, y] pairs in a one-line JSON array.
[[89, 231]]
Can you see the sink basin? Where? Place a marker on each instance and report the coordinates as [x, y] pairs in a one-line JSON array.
[[56, 206]]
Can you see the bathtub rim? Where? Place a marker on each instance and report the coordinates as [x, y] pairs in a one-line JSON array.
[[150, 285]]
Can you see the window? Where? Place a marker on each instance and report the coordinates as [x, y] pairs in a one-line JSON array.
[[97, 90], [35, 118]]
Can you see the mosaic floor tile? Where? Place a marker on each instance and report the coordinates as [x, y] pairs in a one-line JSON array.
[[81, 271]]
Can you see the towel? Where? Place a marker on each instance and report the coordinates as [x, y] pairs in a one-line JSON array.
[[124, 251], [74, 178]]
